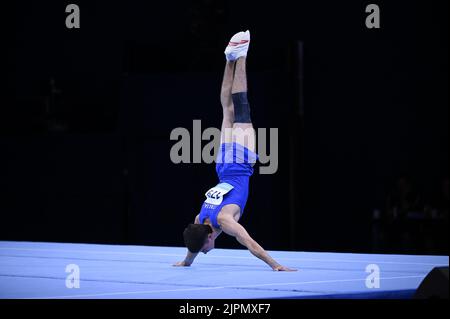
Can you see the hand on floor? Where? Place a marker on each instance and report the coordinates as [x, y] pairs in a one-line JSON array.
[[181, 264], [282, 268]]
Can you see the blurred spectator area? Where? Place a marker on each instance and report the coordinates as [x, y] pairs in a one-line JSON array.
[[415, 218]]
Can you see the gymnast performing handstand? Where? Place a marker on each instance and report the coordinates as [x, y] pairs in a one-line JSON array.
[[225, 203]]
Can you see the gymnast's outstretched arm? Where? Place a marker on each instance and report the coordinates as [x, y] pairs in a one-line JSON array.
[[233, 228]]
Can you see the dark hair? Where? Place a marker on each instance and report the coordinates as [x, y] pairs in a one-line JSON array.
[[195, 236]]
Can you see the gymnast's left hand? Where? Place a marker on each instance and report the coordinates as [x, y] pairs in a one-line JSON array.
[[283, 268]]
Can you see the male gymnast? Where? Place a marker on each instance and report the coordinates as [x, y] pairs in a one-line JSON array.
[[224, 204]]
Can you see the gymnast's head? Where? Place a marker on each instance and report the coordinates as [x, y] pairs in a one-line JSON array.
[[198, 238]]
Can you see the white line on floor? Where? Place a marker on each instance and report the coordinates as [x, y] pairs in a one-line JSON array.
[[216, 288], [213, 256]]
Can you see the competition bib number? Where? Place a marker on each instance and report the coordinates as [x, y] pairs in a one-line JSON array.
[[214, 196]]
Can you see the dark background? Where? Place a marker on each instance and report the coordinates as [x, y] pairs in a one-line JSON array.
[[87, 114]]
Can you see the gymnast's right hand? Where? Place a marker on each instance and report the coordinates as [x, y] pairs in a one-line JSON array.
[[181, 264]]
